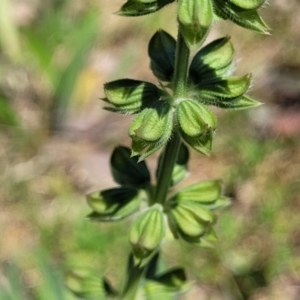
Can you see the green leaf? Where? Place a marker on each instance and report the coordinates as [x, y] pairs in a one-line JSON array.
[[202, 192], [249, 19], [180, 169], [213, 60], [130, 96], [113, 204], [195, 19], [161, 50], [126, 170], [133, 8]]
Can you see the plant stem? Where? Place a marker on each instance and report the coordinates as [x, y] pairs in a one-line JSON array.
[[181, 67], [132, 284], [172, 148], [166, 169]]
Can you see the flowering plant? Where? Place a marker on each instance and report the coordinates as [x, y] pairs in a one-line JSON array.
[[173, 116]]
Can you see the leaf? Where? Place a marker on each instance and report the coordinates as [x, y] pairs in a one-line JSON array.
[[130, 96], [161, 50]]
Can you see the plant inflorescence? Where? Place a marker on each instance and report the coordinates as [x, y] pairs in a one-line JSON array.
[[172, 116]]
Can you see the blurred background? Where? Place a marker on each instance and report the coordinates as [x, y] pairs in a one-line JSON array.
[[55, 144]]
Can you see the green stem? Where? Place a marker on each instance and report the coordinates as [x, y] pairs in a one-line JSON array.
[[181, 67], [172, 148], [166, 169], [132, 284]]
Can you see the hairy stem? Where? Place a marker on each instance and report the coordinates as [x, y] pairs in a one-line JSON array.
[[172, 148]]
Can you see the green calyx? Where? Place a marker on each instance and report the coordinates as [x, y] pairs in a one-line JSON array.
[[161, 50], [130, 96], [127, 171], [134, 8], [197, 124], [151, 129], [190, 210], [146, 233], [195, 19], [113, 204], [242, 12]]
